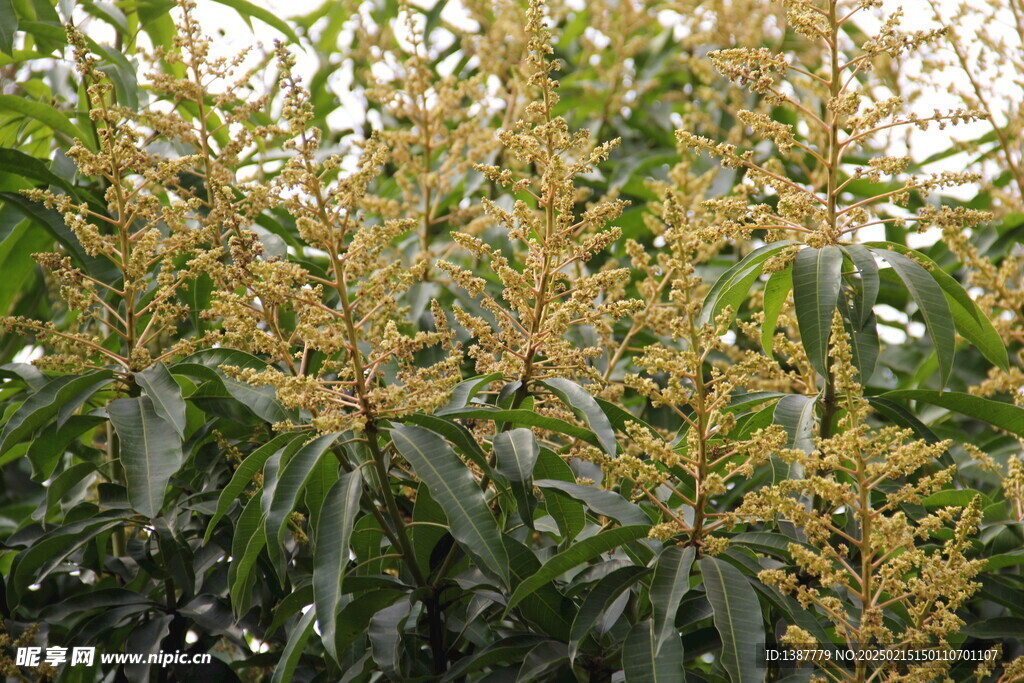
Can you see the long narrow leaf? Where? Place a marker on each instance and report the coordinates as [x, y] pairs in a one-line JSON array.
[[737, 617], [150, 451], [817, 275], [456, 491], [331, 555]]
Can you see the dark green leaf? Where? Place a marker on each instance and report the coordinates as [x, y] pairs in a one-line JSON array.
[[246, 470], [868, 269], [795, 413], [575, 555], [516, 453], [293, 477], [607, 503], [567, 512], [817, 275], [737, 616], [643, 662], [932, 303], [385, 633], [165, 394], [1002, 415], [670, 583], [452, 485], [150, 451], [586, 408], [41, 406], [296, 643], [970, 321], [775, 292], [600, 599], [331, 554]]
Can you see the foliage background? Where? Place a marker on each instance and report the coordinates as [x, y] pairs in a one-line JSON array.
[[571, 421]]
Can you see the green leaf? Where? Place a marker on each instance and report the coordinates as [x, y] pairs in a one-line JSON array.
[[19, 163], [385, 635], [567, 512], [607, 503], [586, 408], [246, 544], [795, 413], [731, 288], [547, 610], [737, 616], [459, 436], [1002, 415], [46, 449], [955, 498], [864, 345], [575, 555], [293, 477], [870, 283], [817, 275], [293, 649], [933, 306], [52, 221], [453, 487], [528, 418], [150, 451], [17, 264], [247, 9], [670, 583], [331, 554], [165, 393], [48, 551], [41, 406], [775, 292], [644, 662], [260, 400], [464, 391], [516, 453], [598, 600], [8, 26], [972, 324], [246, 470], [44, 113]]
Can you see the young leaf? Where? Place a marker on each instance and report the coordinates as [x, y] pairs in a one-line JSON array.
[[817, 275]]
